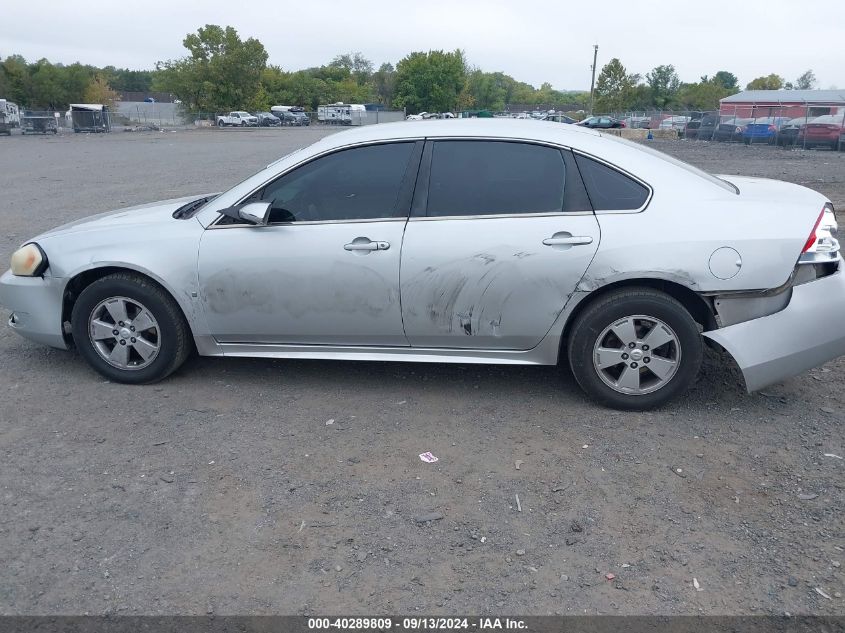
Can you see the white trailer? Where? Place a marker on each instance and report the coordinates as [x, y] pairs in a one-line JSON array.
[[342, 114], [10, 116]]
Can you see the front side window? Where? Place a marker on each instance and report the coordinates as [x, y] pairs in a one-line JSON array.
[[494, 178], [609, 189], [361, 183]]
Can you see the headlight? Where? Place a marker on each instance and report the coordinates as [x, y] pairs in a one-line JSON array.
[[28, 261]]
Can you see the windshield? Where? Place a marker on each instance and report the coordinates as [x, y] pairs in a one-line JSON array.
[[724, 184]]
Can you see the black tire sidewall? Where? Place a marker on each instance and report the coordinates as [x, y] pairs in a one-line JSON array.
[[596, 318], [155, 301]]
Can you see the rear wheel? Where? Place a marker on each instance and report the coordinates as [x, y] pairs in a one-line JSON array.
[[129, 329], [635, 349]]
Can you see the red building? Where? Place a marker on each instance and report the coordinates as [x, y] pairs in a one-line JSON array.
[[783, 103]]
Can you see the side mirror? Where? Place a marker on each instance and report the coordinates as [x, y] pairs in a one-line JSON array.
[[257, 213]]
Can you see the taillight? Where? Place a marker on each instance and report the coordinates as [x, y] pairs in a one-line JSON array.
[[771, 128], [811, 240]]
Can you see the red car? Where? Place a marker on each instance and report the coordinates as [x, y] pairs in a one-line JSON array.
[[823, 130]]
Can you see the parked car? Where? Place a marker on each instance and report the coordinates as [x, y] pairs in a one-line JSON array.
[[824, 130], [637, 122], [300, 118], [690, 130], [730, 130], [789, 131], [601, 122], [501, 262], [707, 126], [763, 130], [238, 118], [677, 123], [557, 117], [267, 119]]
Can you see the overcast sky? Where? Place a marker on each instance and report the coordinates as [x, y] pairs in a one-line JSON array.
[[534, 41]]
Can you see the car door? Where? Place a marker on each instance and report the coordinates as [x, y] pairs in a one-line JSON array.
[[326, 268], [499, 236]]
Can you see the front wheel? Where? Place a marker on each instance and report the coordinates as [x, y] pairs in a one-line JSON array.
[[635, 349], [129, 329]]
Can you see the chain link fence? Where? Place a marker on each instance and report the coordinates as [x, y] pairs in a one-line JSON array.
[[170, 116], [805, 126]]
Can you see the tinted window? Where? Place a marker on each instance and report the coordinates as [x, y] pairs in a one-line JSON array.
[[610, 190], [354, 184], [494, 177]]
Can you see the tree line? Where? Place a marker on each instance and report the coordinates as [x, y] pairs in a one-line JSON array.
[[617, 90], [224, 72]]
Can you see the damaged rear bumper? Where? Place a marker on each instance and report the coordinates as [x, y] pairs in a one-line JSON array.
[[808, 332]]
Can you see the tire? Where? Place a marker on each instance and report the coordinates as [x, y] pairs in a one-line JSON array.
[[680, 357], [221, 124], [169, 335]]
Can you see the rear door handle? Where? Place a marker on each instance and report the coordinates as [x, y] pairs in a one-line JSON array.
[[365, 244], [567, 240]]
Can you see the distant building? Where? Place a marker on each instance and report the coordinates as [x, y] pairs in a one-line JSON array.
[[787, 103]]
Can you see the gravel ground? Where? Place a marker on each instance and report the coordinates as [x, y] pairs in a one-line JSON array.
[[226, 489]]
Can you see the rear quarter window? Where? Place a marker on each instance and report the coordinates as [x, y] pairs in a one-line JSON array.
[[609, 189]]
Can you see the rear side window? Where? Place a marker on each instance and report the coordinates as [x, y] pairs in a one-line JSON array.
[[610, 190], [494, 178]]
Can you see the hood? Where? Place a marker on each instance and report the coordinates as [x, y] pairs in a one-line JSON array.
[[139, 215]]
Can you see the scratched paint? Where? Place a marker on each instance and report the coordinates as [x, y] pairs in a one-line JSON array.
[[489, 283]]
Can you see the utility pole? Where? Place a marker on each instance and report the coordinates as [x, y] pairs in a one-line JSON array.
[[593, 82]]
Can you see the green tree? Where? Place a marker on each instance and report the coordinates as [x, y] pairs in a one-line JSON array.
[[221, 73], [770, 82], [488, 91], [663, 85], [430, 81], [384, 83], [614, 87], [99, 91], [727, 80], [47, 87], [807, 81], [704, 95], [15, 77], [356, 65], [128, 80]]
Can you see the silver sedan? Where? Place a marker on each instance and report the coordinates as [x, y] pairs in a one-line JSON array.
[[470, 241]]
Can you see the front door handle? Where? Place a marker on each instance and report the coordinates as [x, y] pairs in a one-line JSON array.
[[365, 244], [567, 240]]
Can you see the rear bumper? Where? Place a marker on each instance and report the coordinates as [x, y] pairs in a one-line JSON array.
[[807, 333], [36, 307]]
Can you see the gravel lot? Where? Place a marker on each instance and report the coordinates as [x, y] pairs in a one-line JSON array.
[[226, 490]]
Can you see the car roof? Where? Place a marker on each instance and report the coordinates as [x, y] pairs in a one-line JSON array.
[[507, 128]]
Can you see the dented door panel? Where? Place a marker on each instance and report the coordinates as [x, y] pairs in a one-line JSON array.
[[491, 282], [303, 283]]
